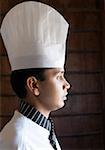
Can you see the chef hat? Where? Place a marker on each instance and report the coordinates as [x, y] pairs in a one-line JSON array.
[[34, 35]]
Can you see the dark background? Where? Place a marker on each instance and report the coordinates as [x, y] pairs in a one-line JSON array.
[[81, 123]]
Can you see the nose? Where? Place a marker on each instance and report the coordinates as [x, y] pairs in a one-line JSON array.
[[67, 85]]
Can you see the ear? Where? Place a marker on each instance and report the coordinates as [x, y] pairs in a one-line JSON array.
[[32, 84]]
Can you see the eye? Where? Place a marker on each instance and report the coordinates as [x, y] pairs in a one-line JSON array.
[[60, 76]]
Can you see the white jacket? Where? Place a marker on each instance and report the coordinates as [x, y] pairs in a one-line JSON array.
[[22, 133]]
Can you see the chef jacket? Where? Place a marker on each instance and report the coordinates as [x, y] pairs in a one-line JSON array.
[[27, 130]]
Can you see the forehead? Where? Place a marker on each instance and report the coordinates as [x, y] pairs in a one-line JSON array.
[[53, 71]]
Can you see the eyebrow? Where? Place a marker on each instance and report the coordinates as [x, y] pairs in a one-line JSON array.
[[58, 71]]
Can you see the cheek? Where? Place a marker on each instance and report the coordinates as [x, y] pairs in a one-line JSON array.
[[51, 96], [54, 91], [51, 90]]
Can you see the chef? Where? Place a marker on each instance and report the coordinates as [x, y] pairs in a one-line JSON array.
[[34, 35]]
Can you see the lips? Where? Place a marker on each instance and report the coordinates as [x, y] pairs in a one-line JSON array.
[[65, 96]]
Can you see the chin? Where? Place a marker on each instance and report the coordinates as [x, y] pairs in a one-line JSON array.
[[59, 106]]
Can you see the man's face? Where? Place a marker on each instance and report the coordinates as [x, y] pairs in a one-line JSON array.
[[53, 89]]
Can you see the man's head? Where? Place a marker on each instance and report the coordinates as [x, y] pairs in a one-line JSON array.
[[47, 87]]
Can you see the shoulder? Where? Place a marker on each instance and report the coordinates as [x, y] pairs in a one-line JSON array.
[[19, 132], [13, 133]]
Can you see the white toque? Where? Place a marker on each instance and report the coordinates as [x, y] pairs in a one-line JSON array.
[[34, 35]]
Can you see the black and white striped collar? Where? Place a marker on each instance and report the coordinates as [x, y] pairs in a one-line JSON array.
[[33, 114]]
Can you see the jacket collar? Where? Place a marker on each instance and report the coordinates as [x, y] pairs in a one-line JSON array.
[[30, 112]]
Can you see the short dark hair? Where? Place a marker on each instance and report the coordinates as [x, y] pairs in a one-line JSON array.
[[19, 77]]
